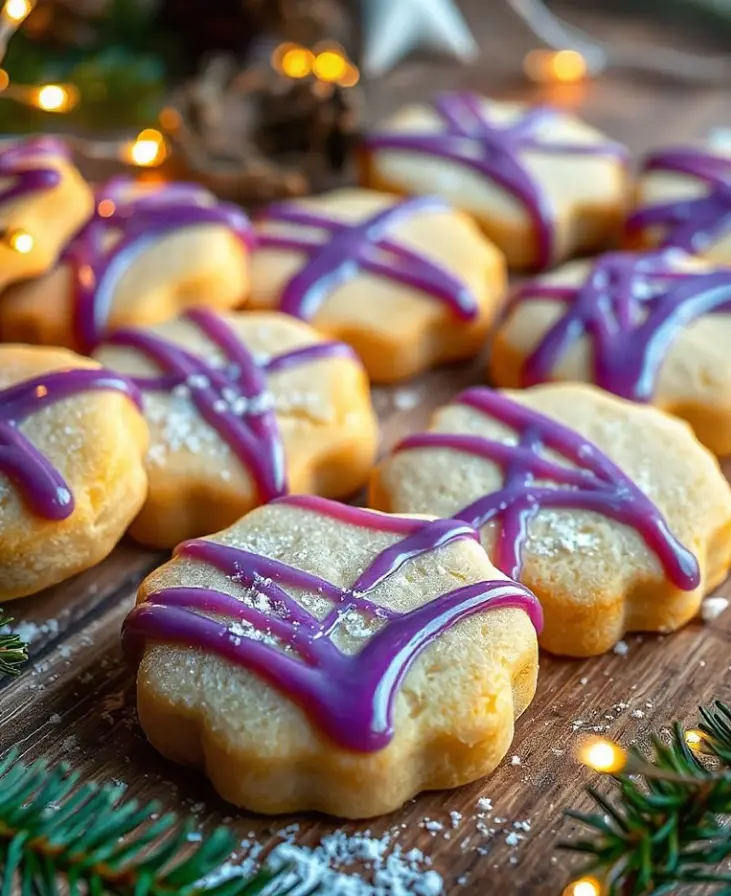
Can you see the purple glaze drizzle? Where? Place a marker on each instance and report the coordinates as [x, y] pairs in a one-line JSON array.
[[349, 697], [595, 484], [140, 220], [689, 224], [349, 248], [471, 139], [631, 307], [42, 486], [14, 164], [233, 399]]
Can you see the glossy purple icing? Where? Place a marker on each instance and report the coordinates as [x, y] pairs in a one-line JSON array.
[[593, 484], [631, 307], [233, 399], [689, 224], [349, 697], [495, 151], [41, 485], [350, 248], [140, 221], [15, 160]]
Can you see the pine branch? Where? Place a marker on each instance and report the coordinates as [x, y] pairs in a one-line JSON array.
[[13, 651], [669, 822], [53, 830]]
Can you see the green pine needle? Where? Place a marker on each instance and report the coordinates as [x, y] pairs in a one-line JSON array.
[[52, 830], [669, 823], [13, 651]]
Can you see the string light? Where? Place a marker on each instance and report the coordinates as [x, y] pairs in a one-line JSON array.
[[694, 739], [602, 755], [584, 886], [21, 241], [15, 11], [56, 97], [555, 67], [106, 208], [330, 66], [148, 150]]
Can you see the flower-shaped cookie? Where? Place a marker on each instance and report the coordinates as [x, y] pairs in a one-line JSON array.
[[72, 477], [149, 252], [318, 656], [43, 202], [242, 408], [407, 283], [612, 512], [542, 184], [651, 327], [683, 200]]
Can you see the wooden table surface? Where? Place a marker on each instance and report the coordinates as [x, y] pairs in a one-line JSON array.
[[75, 699]]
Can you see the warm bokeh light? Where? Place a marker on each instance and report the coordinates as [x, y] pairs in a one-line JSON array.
[[330, 66], [559, 66], [148, 150], [351, 77], [55, 98], [295, 62], [602, 755], [21, 241], [170, 118], [4, 79], [17, 10], [106, 208], [694, 739], [585, 886]]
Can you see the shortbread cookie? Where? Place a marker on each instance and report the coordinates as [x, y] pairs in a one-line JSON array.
[[148, 253], [43, 201], [72, 477], [542, 184], [242, 408], [610, 511], [683, 199], [407, 283], [653, 327], [318, 656]]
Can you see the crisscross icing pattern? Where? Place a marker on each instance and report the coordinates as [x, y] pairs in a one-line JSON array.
[[133, 222], [233, 398], [631, 307], [689, 224], [592, 483], [349, 248], [471, 139], [14, 165], [349, 696], [41, 485]]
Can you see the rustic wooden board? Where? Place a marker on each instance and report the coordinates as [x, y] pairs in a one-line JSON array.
[[75, 699]]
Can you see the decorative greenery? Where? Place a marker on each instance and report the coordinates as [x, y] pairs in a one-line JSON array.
[[53, 830], [669, 824], [13, 652]]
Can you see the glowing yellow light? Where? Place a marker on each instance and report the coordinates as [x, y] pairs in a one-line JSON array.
[[4, 79], [149, 149], [17, 10], [562, 66], [694, 739], [585, 886], [602, 755], [297, 62], [330, 66], [106, 208], [21, 241], [55, 98]]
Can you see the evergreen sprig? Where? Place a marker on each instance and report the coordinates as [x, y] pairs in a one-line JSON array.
[[669, 824], [53, 830], [13, 651]]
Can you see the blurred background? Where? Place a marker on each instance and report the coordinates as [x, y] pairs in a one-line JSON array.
[[265, 98]]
